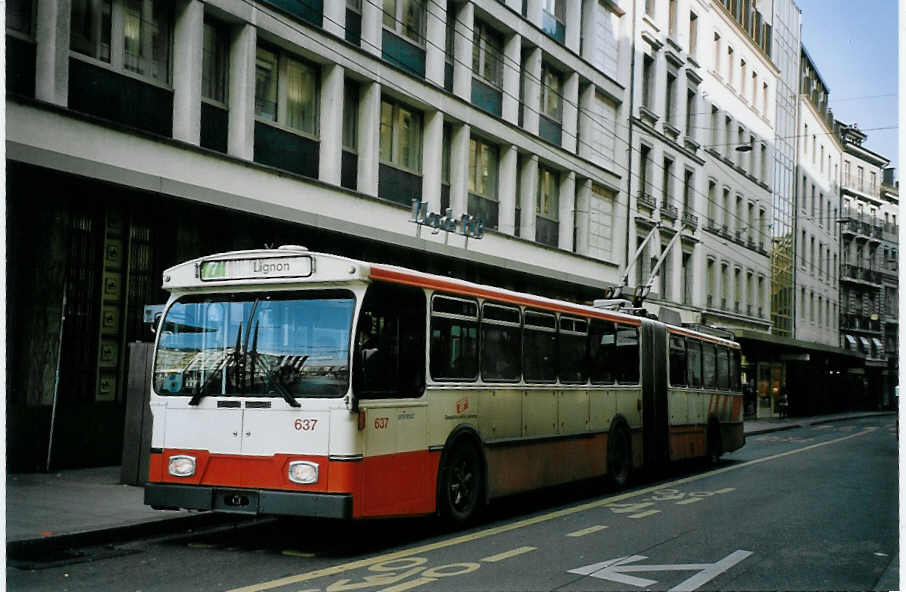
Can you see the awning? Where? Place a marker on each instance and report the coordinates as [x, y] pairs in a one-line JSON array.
[[866, 347], [850, 341]]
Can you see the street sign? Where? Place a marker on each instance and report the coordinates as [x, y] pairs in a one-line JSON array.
[[617, 570]]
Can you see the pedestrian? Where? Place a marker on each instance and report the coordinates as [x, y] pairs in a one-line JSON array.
[[783, 403]]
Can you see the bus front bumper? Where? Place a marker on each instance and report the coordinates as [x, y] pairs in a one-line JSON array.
[[248, 501]]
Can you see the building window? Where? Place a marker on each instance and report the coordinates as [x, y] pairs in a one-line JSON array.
[[671, 18], [406, 18], [553, 19], [143, 26], [215, 63], [717, 53], [649, 8], [647, 81], [551, 94], [547, 207], [669, 107], [693, 34], [20, 16], [483, 165], [487, 55], [286, 91], [350, 116], [730, 65], [401, 136]]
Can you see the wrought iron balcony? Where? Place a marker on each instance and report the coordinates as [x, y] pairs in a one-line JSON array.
[[647, 200], [859, 273], [690, 220], [668, 210]]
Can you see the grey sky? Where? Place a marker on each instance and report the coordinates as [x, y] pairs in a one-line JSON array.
[[854, 46]]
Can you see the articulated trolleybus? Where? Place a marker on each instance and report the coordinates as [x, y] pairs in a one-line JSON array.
[[298, 383]]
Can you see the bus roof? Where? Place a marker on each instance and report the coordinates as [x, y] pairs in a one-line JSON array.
[[291, 264]]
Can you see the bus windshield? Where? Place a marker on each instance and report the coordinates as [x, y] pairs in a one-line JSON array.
[[278, 344]]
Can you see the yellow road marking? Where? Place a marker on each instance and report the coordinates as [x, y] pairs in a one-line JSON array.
[[508, 554], [291, 553], [726, 490], [408, 585], [474, 536], [689, 500], [645, 514], [586, 531]]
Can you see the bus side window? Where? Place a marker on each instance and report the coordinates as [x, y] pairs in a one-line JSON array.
[[573, 350], [709, 366], [627, 357], [723, 369], [694, 362], [390, 345], [677, 361], [602, 352], [454, 338], [501, 342], [539, 352], [734, 370]]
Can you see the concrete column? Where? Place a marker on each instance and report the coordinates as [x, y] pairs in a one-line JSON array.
[[459, 169], [334, 21], [529, 188], [188, 42], [117, 43], [567, 203], [431, 164], [512, 59], [506, 189], [583, 217], [570, 113], [372, 26], [533, 15], [52, 51], [514, 5], [241, 129], [531, 83], [462, 51], [436, 29], [588, 127], [369, 136], [589, 22], [330, 162], [573, 24]]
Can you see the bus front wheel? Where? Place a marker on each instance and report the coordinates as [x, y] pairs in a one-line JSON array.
[[619, 456], [461, 483]]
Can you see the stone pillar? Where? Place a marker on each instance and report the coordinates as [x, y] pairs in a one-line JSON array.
[[589, 128], [330, 163], [436, 30], [52, 51], [567, 202], [531, 83], [512, 59], [462, 51], [659, 88], [241, 128], [589, 23], [506, 189], [431, 164], [372, 26], [369, 137], [533, 15], [334, 21], [583, 217], [459, 169], [529, 189], [514, 5], [570, 113], [188, 41], [573, 24]]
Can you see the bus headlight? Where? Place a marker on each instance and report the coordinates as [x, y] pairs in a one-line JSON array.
[[182, 465], [303, 472]]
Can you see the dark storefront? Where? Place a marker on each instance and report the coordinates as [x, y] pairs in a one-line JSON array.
[[105, 247]]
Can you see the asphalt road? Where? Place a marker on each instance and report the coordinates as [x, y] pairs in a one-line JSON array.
[[806, 509]]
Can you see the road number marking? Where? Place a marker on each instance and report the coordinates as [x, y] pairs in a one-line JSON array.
[[628, 508], [586, 531], [508, 554]]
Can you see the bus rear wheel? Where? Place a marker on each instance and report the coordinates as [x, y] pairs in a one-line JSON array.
[[461, 484], [619, 456]]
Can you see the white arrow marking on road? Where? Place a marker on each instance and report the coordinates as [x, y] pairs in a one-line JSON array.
[[616, 570]]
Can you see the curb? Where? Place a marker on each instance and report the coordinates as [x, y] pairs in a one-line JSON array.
[[26, 548], [834, 419], [791, 426]]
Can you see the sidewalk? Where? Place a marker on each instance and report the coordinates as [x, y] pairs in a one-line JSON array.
[[91, 506]]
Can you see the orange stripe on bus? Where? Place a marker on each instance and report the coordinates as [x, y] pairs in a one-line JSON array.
[[703, 337], [436, 283]]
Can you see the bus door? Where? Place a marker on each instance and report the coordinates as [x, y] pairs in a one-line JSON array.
[[654, 394]]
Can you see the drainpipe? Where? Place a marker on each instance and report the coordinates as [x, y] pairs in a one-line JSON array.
[[631, 112]]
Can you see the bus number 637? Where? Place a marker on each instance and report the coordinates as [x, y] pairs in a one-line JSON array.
[[305, 425]]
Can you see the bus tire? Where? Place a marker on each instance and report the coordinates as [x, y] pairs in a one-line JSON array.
[[715, 446], [460, 483], [619, 456]]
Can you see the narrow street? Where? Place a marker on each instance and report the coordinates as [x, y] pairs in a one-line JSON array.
[[810, 508]]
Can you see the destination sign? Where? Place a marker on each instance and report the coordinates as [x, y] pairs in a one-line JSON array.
[[255, 268]]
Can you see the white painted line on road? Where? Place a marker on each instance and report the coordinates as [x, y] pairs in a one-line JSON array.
[[508, 554], [690, 500], [474, 536], [725, 490], [586, 531], [645, 514]]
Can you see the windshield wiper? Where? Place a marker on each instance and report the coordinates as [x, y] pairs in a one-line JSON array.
[[201, 387], [274, 379]]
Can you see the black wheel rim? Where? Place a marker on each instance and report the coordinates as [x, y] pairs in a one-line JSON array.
[[461, 489]]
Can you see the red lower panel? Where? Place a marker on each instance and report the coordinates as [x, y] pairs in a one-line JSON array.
[[387, 485], [687, 442], [530, 466]]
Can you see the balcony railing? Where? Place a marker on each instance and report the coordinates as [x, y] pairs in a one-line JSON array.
[[647, 200], [668, 210], [859, 322], [690, 220], [859, 273], [863, 188]]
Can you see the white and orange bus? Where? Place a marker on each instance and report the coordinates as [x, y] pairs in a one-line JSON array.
[[298, 383]]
